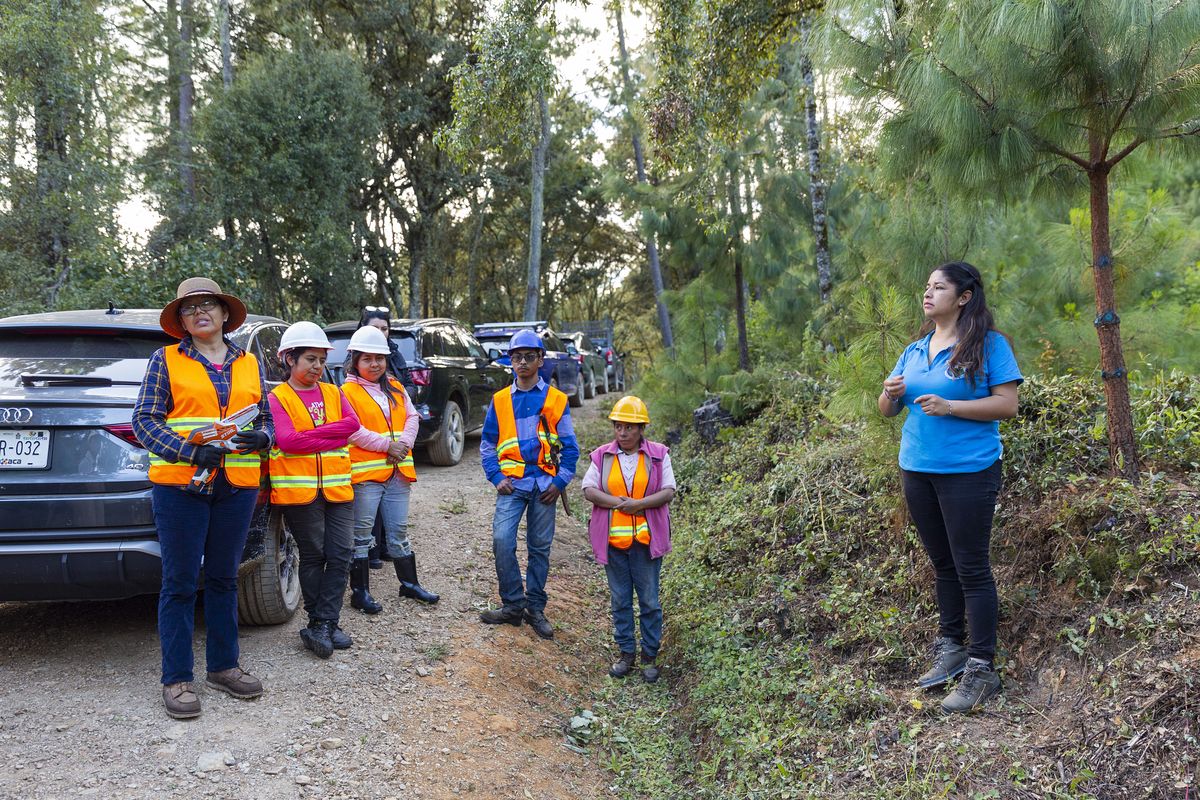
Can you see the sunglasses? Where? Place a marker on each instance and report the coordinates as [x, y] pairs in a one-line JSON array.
[[524, 358], [192, 308], [384, 309]]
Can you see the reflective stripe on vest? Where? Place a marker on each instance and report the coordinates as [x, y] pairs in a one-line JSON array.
[[624, 528], [295, 478], [369, 465], [508, 447], [194, 404]]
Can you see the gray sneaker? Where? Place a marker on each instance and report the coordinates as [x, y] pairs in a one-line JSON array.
[[949, 660], [979, 684]]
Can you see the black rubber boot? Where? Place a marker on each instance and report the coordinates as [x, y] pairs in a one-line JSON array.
[[381, 548], [360, 588], [406, 571]]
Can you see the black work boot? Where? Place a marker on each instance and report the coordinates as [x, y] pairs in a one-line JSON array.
[[949, 660], [373, 559], [406, 571], [360, 588], [649, 668], [316, 637], [623, 666], [511, 615], [340, 639], [541, 626], [979, 683]]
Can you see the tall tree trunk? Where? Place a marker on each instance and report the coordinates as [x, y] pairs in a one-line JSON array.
[[51, 171], [479, 208], [816, 182], [187, 98], [536, 209], [1122, 447], [10, 145], [739, 278], [226, 50], [415, 240], [664, 319], [226, 82]]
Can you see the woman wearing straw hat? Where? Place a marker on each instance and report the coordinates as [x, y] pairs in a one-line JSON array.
[[202, 379]]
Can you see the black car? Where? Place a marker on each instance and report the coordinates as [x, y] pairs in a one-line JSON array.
[[453, 377], [75, 516]]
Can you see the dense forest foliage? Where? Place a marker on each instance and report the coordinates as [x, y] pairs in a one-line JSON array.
[[786, 173]]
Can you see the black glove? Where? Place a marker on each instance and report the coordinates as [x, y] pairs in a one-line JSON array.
[[207, 456], [251, 441]]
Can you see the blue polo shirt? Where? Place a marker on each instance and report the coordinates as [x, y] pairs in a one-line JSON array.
[[951, 444]]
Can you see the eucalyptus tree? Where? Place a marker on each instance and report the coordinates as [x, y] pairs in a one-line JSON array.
[[1006, 97]]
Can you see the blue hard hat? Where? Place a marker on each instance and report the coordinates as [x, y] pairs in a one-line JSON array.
[[527, 340]]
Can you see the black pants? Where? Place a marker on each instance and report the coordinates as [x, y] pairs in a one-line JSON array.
[[324, 533], [953, 515]]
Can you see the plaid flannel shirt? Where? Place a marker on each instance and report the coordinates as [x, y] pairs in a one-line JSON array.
[[154, 403]]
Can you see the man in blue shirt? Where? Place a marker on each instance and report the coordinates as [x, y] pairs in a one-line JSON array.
[[529, 454]]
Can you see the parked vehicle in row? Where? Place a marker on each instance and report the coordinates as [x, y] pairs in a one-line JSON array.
[[75, 515], [614, 363], [595, 370], [559, 368], [453, 376]]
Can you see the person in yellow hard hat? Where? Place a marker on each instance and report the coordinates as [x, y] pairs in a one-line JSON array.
[[630, 484]]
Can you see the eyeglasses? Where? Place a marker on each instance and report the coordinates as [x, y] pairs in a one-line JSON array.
[[203, 305], [524, 358]]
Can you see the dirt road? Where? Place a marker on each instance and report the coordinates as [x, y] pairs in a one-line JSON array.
[[429, 703]]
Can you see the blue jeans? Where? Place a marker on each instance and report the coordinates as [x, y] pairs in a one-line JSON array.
[[389, 499], [539, 535], [195, 529], [628, 570]]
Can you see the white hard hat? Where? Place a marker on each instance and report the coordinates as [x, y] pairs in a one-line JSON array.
[[369, 340], [304, 334]]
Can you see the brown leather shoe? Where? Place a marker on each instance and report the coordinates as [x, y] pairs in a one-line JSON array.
[[180, 700], [236, 682]]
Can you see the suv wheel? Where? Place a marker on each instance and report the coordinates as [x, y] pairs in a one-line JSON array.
[[589, 386], [575, 400], [269, 592], [446, 449]]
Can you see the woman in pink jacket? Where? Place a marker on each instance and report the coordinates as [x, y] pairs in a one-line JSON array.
[[382, 468], [630, 483]]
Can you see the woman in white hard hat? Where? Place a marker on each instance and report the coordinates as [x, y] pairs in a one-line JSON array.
[[204, 378], [630, 484], [310, 480], [382, 466]]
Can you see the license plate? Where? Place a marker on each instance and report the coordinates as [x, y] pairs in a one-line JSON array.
[[24, 449]]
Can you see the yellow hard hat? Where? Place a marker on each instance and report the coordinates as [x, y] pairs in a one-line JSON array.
[[630, 409]]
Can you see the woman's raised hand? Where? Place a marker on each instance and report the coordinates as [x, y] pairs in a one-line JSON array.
[[894, 387]]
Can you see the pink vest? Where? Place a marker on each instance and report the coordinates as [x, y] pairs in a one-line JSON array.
[[658, 519]]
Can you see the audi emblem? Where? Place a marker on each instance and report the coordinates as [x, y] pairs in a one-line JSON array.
[[15, 416]]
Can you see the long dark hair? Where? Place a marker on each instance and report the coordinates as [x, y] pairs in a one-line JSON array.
[[351, 368], [351, 365], [974, 320]]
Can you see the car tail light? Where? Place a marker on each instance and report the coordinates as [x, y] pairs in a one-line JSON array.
[[578, 358], [421, 377], [124, 431], [608, 356]]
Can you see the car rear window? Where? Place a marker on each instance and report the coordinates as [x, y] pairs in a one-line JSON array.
[[119, 356]]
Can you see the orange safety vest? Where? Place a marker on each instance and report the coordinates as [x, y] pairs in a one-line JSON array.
[[624, 528], [296, 478], [369, 465], [508, 449], [195, 404]]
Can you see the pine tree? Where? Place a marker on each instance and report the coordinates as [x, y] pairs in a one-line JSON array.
[[1001, 97]]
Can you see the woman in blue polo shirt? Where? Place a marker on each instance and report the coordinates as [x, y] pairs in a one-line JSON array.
[[957, 381]]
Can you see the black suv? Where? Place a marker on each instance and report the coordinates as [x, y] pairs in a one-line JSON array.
[[453, 377], [75, 516]]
